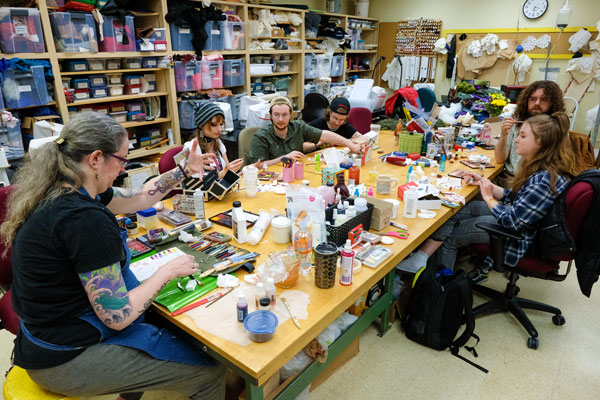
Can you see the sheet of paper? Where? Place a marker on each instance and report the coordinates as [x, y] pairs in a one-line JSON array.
[[145, 268]]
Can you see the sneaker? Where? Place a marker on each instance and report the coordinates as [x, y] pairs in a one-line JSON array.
[[478, 275]]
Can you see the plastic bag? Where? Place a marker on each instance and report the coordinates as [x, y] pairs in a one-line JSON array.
[[295, 365]]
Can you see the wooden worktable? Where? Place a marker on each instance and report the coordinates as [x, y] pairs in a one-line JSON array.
[[257, 362]]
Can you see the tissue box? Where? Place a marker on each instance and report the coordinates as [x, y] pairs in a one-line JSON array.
[[327, 176], [382, 213]]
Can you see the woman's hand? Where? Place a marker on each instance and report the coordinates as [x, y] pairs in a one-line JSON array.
[[181, 266], [235, 165], [487, 189], [196, 162], [471, 178], [506, 124]]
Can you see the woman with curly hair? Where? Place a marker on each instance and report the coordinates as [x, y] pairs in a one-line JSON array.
[[540, 97], [547, 164]]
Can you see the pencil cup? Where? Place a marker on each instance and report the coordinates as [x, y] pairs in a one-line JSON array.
[[288, 174], [298, 171], [326, 254]]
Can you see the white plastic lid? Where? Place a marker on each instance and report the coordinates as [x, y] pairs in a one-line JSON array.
[[281, 222], [348, 246], [242, 297]]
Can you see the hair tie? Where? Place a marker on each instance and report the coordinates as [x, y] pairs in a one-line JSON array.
[[59, 141]]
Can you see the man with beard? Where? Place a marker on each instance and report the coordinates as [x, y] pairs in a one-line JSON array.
[[284, 137], [540, 97]]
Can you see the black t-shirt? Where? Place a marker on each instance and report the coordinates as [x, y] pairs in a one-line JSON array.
[[71, 235], [346, 130]]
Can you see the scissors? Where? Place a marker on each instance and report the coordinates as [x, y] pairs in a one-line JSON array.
[[398, 234]]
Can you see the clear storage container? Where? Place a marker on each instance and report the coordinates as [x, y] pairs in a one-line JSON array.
[[211, 74], [233, 35], [11, 139], [97, 65], [118, 37], [214, 40], [81, 83], [337, 65], [99, 92], [150, 62], [184, 76], [311, 64], [97, 80], [21, 30], [283, 65], [74, 32], [113, 63], [233, 73], [25, 88], [181, 37], [132, 63], [119, 116], [77, 65]]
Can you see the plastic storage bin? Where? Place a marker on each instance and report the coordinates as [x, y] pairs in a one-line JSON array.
[[74, 32], [66, 83], [282, 83], [134, 106], [25, 88], [116, 106], [184, 76], [159, 34], [77, 65], [12, 140], [116, 36], [132, 89], [113, 63], [132, 80], [283, 65], [97, 80], [99, 92], [97, 65], [311, 64], [186, 114], [119, 116], [81, 83], [115, 90], [101, 108], [233, 73], [181, 37], [212, 74], [21, 30], [160, 45], [81, 94], [132, 63], [150, 62], [233, 35], [114, 79], [337, 65], [214, 40]]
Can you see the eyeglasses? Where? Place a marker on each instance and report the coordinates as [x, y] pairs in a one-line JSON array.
[[124, 161]]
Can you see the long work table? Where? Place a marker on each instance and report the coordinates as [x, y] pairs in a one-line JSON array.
[[257, 362]]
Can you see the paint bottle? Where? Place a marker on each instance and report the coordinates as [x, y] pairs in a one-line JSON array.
[[242, 307], [271, 292], [410, 170], [317, 163], [259, 294], [443, 163], [346, 264], [264, 303], [238, 223]]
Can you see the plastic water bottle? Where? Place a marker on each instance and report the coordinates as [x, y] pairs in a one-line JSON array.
[[199, 204], [303, 246], [410, 203]]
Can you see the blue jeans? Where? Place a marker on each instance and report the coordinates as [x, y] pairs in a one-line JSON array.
[[461, 230]]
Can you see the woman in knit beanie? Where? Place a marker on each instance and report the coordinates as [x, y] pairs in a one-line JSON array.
[[209, 118]]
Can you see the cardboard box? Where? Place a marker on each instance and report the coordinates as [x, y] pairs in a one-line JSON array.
[[382, 213]]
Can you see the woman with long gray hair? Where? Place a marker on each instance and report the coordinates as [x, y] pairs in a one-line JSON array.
[[82, 331]]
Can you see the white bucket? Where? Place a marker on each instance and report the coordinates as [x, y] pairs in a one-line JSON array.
[[362, 8]]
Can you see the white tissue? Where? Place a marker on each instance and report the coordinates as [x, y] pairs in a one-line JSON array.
[[226, 280]]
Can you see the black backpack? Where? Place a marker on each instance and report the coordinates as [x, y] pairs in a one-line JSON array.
[[440, 302]]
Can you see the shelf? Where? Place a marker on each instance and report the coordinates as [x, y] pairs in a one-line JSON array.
[[317, 38], [207, 52], [254, 52], [345, 15], [107, 55], [52, 103], [275, 74], [145, 14], [361, 51], [358, 70], [116, 98], [363, 29], [322, 51], [24, 55], [112, 71], [132, 124], [143, 152]]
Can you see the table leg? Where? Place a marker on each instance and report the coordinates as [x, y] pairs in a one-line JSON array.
[[385, 325], [253, 392]]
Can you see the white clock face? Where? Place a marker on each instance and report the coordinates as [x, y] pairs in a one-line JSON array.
[[533, 9]]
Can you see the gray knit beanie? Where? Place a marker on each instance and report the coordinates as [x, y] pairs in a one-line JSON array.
[[204, 111]]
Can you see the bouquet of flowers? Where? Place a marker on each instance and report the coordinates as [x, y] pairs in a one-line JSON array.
[[495, 103]]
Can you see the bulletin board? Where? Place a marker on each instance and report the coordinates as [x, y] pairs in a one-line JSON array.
[[498, 72]]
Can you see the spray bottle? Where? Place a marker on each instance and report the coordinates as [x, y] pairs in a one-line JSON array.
[[347, 264]]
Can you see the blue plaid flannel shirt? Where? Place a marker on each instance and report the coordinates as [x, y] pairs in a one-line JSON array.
[[522, 213]]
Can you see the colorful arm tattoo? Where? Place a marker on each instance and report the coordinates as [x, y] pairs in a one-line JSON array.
[[167, 181], [126, 193], [108, 294]]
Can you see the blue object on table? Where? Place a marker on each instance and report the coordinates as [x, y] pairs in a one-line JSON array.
[[261, 325]]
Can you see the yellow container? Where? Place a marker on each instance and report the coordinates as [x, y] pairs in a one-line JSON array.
[[410, 142]]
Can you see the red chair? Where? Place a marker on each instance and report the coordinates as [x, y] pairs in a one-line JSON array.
[[8, 318], [578, 201], [167, 163], [360, 118]]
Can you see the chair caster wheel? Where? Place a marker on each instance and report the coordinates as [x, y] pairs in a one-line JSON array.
[[558, 320], [533, 343]]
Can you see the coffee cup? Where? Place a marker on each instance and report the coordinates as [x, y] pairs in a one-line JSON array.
[[385, 184]]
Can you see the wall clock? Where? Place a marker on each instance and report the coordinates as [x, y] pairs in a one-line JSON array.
[[534, 9]]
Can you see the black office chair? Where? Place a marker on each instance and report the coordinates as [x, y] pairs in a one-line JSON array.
[[314, 107]]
